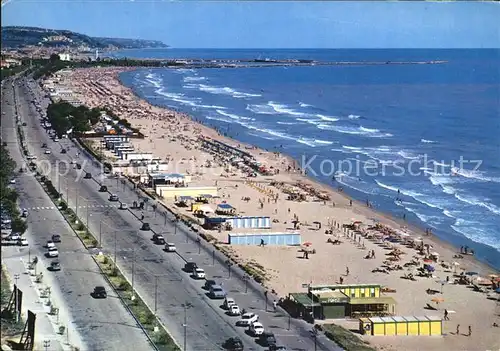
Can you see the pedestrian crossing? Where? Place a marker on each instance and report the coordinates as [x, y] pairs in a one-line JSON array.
[[54, 208]]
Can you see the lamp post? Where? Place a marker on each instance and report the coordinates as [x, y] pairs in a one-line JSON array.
[[114, 260], [229, 265], [16, 278], [198, 240], [185, 305], [246, 278], [133, 274], [156, 293], [76, 208]]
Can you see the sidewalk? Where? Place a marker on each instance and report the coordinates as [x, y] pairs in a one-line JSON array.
[[15, 262]]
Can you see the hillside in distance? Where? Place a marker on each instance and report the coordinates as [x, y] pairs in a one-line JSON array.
[[18, 37]]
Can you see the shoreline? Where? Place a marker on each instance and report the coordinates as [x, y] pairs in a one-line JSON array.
[[174, 136], [358, 206]]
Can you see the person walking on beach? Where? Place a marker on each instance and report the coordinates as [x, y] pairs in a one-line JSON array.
[[275, 305], [446, 318], [458, 329], [470, 331], [346, 271]]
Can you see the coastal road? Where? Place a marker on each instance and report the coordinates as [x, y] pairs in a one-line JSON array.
[[102, 324], [158, 273]]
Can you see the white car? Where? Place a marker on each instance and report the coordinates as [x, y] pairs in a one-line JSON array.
[[12, 181], [15, 237], [234, 310], [53, 252], [247, 319], [48, 152], [169, 247], [228, 302], [256, 328], [23, 242], [199, 273], [50, 244]]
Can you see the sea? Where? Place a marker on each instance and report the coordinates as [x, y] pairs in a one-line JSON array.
[[418, 141]]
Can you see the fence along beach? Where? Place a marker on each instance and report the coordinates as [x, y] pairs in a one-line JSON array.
[[347, 241]]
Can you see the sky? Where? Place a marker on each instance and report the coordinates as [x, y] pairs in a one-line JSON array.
[[267, 24]]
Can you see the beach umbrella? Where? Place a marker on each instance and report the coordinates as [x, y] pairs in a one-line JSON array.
[[471, 273], [307, 243], [492, 276]]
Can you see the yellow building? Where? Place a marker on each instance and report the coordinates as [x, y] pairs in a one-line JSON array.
[[390, 326], [351, 290]]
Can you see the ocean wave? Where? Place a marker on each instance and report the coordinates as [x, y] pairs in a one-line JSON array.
[[286, 123], [353, 117], [233, 116], [408, 156], [327, 118], [301, 104], [424, 218], [476, 175], [193, 79], [474, 201], [473, 231], [221, 91], [182, 99], [409, 193], [425, 141], [363, 131]]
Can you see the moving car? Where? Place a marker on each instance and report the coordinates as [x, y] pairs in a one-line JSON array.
[[158, 239], [123, 206], [267, 339], [208, 284], [87, 176], [189, 267], [256, 329], [113, 198], [47, 152], [55, 266], [170, 247], [277, 348], [50, 244], [56, 238], [234, 310], [247, 319], [44, 145], [199, 273], [103, 189], [99, 292], [233, 344], [228, 302], [216, 292], [53, 252], [145, 227], [63, 151], [24, 213]]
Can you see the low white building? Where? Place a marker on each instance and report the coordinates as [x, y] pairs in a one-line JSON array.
[[65, 57], [143, 156]]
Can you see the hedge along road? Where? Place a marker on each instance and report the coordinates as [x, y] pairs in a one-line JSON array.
[[296, 335], [102, 324]]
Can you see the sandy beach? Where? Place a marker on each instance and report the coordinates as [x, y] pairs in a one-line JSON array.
[[174, 137]]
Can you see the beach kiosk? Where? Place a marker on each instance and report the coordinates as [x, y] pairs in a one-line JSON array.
[[225, 209], [390, 326]]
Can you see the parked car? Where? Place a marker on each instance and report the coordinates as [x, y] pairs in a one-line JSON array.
[[24, 213], [63, 151], [158, 239], [103, 189], [44, 145], [256, 329], [199, 273], [208, 284], [56, 238], [53, 252], [123, 206], [228, 302], [189, 267], [216, 292], [145, 227], [88, 176], [50, 244], [170, 247], [113, 198], [247, 319], [78, 166], [99, 292], [15, 237], [23, 242], [55, 266], [267, 339], [233, 344], [234, 310], [277, 348]]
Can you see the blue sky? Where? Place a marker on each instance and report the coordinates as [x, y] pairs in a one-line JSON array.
[[203, 24]]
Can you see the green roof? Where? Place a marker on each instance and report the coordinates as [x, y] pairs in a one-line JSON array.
[[303, 299]]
